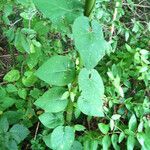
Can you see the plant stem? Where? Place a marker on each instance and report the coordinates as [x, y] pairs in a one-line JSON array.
[[89, 5], [69, 112]]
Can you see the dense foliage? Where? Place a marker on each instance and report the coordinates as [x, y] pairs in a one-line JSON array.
[[74, 74]]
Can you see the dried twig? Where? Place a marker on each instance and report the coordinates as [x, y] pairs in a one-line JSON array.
[[114, 18], [36, 131], [8, 55], [12, 24]]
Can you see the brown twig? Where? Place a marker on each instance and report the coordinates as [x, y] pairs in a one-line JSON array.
[[36, 131], [136, 5], [3, 83], [114, 18], [8, 55]]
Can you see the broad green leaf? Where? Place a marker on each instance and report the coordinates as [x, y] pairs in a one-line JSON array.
[[12, 145], [4, 125], [90, 83], [76, 146], [12, 76], [58, 70], [3, 92], [140, 126], [24, 2], [52, 101], [90, 106], [89, 41], [104, 128], [13, 116], [130, 142], [114, 140], [6, 102], [60, 11], [19, 132], [144, 139], [21, 42], [11, 88], [132, 123], [22, 93], [51, 120], [121, 137], [106, 142], [47, 140], [92, 90], [62, 138], [90, 144]]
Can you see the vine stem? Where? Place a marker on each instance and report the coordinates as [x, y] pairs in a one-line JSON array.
[[69, 112], [89, 5]]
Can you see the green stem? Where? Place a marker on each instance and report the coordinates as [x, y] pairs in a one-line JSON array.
[[69, 112], [89, 5]]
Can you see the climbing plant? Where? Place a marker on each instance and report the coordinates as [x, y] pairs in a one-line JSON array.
[[75, 84], [74, 74]]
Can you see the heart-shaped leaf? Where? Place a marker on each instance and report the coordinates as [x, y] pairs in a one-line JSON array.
[[58, 70], [62, 138], [51, 101], [59, 11], [51, 120], [92, 90], [89, 41]]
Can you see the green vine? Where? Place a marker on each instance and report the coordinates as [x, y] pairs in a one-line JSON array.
[[89, 5]]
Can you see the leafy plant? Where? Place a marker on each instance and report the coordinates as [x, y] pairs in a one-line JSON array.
[[75, 73]]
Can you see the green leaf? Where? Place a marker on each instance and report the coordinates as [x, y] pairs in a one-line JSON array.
[[121, 137], [12, 76], [47, 140], [6, 102], [22, 93], [130, 142], [21, 42], [106, 142], [12, 145], [51, 120], [58, 70], [92, 90], [29, 79], [19, 132], [62, 138], [90, 83], [91, 144], [13, 116], [11, 88], [144, 139], [4, 125], [89, 41], [104, 128], [91, 107], [76, 146], [79, 127], [3, 92], [132, 123], [114, 140], [52, 101], [60, 11]]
